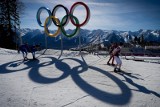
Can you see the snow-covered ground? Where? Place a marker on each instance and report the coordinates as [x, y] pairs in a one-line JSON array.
[[75, 81]]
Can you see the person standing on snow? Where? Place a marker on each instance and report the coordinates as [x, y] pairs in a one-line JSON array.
[[116, 53], [113, 46]]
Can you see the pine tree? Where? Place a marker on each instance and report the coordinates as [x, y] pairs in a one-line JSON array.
[[9, 21], [135, 39]]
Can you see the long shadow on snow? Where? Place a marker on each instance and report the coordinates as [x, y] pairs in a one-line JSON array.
[[15, 66], [140, 88], [35, 75], [116, 99]]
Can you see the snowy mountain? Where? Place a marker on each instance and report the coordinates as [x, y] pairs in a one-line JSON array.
[[36, 36]]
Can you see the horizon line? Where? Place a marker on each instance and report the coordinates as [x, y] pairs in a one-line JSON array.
[[95, 29]]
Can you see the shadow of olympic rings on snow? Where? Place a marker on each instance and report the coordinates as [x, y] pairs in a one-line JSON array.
[[14, 66], [117, 99], [35, 75], [107, 97]]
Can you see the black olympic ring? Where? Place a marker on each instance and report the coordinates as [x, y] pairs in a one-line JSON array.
[[54, 12]]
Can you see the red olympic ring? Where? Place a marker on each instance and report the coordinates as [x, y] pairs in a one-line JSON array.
[[87, 10]]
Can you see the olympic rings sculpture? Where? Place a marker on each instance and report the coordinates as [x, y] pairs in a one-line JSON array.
[[60, 24]]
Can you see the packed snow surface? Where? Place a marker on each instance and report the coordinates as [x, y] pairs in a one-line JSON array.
[[75, 80]]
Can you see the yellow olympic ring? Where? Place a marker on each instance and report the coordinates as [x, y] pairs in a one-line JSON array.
[[46, 28]]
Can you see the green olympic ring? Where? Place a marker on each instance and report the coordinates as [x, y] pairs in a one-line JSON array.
[[62, 27]]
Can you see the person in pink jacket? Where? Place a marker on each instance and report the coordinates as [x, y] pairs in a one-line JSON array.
[[113, 46], [116, 53]]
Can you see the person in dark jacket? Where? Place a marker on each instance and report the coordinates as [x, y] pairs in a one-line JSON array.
[[25, 48]]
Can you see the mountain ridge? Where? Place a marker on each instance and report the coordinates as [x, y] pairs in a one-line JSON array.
[[35, 36]]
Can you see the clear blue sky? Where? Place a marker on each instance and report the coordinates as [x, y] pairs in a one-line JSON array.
[[105, 14]]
